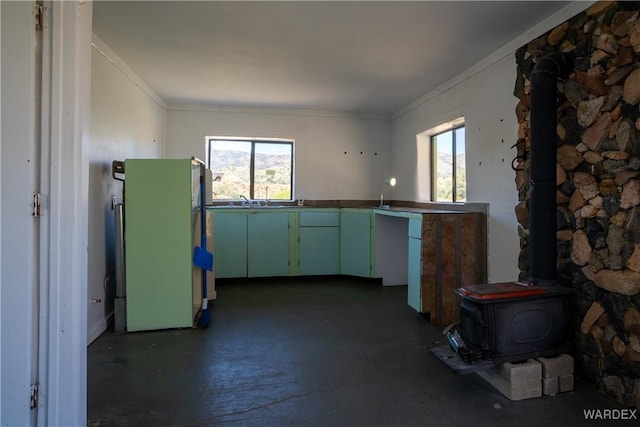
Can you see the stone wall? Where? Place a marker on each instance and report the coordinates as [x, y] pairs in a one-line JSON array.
[[598, 188]]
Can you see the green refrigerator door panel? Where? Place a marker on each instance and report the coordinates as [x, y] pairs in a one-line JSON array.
[[319, 250], [268, 244], [158, 244], [356, 243], [230, 236], [415, 272]]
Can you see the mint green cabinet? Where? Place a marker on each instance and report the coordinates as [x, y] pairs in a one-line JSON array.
[[414, 297], [356, 242], [319, 243], [231, 244], [268, 244]]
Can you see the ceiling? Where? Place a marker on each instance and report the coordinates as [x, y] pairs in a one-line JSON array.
[[366, 57]]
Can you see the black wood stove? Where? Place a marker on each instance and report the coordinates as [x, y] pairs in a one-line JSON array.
[[506, 322], [516, 321]]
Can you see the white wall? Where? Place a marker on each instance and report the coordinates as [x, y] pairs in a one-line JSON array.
[[486, 102], [127, 121], [483, 95], [322, 169]]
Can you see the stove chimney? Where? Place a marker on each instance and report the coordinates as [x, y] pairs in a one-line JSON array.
[[542, 201]]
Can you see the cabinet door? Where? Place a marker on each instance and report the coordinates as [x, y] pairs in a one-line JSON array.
[[355, 243], [415, 265], [230, 235], [415, 274], [319, 250], [268, 244]]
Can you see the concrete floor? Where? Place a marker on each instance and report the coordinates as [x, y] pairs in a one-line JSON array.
[[330, 352]]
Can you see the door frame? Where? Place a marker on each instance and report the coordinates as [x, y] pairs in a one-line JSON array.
[[66, 111]]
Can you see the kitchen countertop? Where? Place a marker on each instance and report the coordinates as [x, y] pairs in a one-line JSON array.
[[269, 207], [397, 211], [406, 206], [415, 210]]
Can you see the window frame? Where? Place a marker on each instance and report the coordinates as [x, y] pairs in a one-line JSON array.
[[434, 162], [253, 142]]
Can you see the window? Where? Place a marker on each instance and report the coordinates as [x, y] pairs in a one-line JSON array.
[[448, 176], [253, 168]]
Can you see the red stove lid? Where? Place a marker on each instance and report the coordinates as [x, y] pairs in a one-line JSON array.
[[499, 290]]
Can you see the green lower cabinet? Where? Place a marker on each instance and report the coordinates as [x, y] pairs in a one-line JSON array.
[[230, 234], [414, 298], [268, 244], [414, 293], [319, 251], [319, 242], [356, 242], [252, 243]]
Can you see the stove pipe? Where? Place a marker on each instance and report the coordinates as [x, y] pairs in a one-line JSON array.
[[542, 198]]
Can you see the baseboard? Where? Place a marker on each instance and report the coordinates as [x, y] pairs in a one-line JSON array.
[[99, 327], [293, 279]]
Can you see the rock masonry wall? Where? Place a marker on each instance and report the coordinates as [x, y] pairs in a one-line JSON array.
[[598, 187]]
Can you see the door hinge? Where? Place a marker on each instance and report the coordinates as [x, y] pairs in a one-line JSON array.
[[37, 205], [39, 17], [35, 392]]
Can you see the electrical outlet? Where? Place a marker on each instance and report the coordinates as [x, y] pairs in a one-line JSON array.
[[114, 202]]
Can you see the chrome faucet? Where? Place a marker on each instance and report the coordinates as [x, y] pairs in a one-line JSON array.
[[245, 200]]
